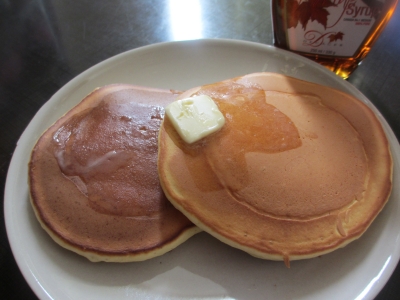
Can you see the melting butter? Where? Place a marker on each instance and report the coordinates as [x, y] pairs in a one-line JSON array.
[[195, 117]]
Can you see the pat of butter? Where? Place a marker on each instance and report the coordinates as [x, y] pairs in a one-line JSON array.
[[195, 117]]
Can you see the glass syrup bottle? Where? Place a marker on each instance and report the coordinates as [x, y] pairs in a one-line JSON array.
[[338, 34]]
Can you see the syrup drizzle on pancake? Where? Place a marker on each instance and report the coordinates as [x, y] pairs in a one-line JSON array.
[[256, 128], [252, 126], [238, 136], [110, 154]]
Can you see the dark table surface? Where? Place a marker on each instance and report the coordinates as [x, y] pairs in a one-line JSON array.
[[46, 43]]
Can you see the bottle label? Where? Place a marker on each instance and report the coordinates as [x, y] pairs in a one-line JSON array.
[[329, 27]]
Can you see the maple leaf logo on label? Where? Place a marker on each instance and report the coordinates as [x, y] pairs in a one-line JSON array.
[[292, 7], [336, 36], [311, 10]]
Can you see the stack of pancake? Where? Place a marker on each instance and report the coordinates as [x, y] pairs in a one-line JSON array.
[[297, 170]]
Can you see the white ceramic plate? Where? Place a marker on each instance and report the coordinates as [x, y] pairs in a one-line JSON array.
[[202, 267]]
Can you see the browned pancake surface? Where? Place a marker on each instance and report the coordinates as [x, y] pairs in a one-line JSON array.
[[94, 181], [297, 170]]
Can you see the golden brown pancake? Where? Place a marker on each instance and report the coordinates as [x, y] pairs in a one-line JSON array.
[[93, 178], [298, 170]]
